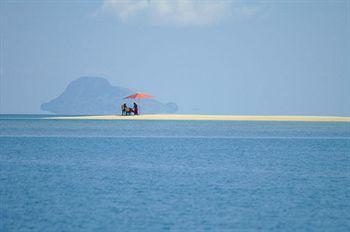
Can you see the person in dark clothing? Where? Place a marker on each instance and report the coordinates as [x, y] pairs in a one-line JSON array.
[[136, 109], [123, 107]]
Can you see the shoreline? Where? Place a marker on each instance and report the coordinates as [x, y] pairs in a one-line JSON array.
[[189, 117]]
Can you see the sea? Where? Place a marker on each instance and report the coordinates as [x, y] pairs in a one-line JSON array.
[[105, 175]]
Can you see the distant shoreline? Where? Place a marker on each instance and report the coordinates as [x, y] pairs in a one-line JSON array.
[[188, 117]]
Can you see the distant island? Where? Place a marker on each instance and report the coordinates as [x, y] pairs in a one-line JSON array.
[[95, 96]]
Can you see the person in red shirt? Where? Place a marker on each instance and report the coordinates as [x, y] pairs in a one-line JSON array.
[[136, 109]]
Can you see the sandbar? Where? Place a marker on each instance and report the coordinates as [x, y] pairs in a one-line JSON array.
[[190, 117]]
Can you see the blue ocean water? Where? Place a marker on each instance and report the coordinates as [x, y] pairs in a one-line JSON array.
[[81, 175]]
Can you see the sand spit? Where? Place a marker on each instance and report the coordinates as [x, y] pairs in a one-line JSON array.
[[207, 118]]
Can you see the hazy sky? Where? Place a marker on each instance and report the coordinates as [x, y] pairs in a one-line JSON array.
[[222, 57]]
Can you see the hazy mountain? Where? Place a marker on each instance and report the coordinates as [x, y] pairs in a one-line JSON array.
[[95, 95]]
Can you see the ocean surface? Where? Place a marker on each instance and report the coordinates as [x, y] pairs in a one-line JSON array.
[[86, 175]]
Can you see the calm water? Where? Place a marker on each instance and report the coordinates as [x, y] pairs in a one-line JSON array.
[[173, 175]]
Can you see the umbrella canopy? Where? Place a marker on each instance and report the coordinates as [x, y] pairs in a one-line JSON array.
[[138, 96]]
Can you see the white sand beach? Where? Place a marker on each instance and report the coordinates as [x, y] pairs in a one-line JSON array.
[[207, 118]]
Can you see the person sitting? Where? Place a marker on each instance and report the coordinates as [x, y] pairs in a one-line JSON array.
[[128, 111], [123, 107], [136, 109]]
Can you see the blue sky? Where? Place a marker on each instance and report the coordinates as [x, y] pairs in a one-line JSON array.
[[222, 57]]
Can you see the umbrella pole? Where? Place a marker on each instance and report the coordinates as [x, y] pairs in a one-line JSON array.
[[139, 104]]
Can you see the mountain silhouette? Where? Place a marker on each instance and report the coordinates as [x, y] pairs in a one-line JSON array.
[[95, 95]]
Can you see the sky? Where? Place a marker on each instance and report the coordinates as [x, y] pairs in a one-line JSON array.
[[210, 57]]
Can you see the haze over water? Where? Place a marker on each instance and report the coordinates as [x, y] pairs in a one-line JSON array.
[[209, 57], [177, 175]]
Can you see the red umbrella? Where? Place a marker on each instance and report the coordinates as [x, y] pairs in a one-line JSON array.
[[138, 96]]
